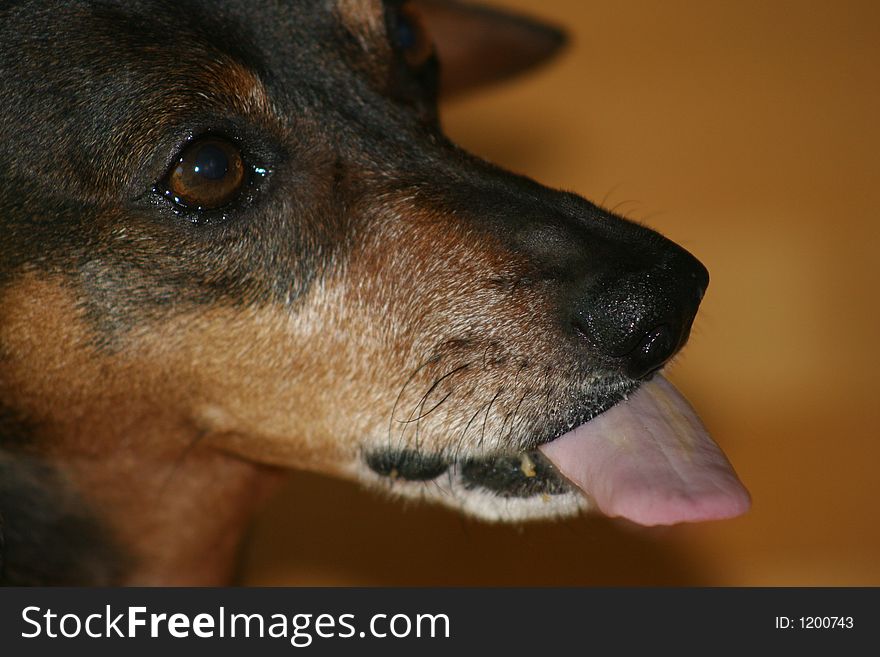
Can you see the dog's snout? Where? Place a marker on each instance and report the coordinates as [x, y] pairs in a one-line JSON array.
[[636, 321]]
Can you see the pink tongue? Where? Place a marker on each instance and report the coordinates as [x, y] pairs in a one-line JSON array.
[[649, 459]]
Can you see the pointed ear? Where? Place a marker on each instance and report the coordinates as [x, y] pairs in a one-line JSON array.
[[477, 45]]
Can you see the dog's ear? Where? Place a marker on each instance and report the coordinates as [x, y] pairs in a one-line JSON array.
[[478, 45]]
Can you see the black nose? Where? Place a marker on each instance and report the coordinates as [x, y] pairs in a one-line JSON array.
[[637, 320]]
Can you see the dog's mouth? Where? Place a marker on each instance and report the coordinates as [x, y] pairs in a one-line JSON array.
[[651, 460], [648, 459]]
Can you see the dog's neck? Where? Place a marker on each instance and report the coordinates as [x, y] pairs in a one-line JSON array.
[[113, 464], [166, 510], [179, 516]]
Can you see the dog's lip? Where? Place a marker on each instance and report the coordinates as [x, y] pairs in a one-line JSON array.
[[649, 459]]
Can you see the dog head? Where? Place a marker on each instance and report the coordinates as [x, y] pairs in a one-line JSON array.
[[247, 222]]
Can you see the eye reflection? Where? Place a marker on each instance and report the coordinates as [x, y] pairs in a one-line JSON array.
[[208, 175]]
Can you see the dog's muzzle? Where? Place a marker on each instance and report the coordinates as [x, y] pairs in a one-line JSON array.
[[648, 459]]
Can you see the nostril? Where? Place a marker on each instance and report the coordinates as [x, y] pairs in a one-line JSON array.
[[580, 329], [653, 351], [701, 279], [636, 322]]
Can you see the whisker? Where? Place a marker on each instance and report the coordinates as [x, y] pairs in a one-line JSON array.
[[430, 390], [486, 417], [515, 413], [434, 359], [420, 406]]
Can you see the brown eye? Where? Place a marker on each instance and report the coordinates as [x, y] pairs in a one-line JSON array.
[[412, 37], [209, 174]]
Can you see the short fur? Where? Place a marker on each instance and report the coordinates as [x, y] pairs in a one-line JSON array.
[[377, 304]]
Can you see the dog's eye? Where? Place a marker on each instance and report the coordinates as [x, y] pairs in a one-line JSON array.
[[209, 174], [411, 36]]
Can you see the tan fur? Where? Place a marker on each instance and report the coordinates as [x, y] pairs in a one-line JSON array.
[[148, 428], [177, 507], [365, 19]]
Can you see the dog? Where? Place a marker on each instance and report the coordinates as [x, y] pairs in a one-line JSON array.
[[236, 242]]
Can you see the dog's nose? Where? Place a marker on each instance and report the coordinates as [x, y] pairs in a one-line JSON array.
[[637, 320]]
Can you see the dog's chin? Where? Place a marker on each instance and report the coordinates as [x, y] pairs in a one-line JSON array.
[[638, 452], [497, 488], [500, 486]]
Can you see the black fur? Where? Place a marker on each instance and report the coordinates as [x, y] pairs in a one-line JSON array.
[[48, 536], [98, 99]]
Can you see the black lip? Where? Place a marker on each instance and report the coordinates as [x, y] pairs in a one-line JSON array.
[[407, 464], [519, 475], [585, 412], [526, 474]]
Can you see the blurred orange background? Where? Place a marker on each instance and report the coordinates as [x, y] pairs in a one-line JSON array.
[[748, 132]]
